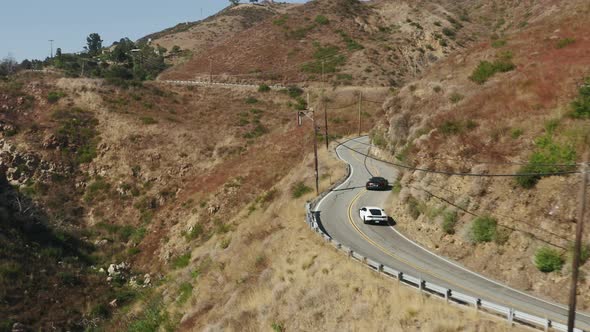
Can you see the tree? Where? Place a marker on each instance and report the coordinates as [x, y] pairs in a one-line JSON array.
[[58, 52], [26, 64], [7, 66], [94, 44], [122, 52]]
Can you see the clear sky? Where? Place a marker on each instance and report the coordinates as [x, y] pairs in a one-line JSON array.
[[26, 26]]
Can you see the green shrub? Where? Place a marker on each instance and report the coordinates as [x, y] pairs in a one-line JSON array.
[[548, 260], [499, 43], [322, 20], [449, 32], [451, 127], [77, 131], [581, 105], [329, 55], [516, 133], [565, 42], [100, 311], [281, 20], [378, 139], [487, 69], [484, 229], [414, 207], [258, 131], [449, 221], [195, 232], [351, 44], [97, 189], [547, 152], [10, 271], [263, 88], [456, 97], [251, 100], [133, 251], [300, 33], [148, 120], [54, 96], [294, 91], [277, 327], [181, 261], [299, 189], [584, 253], [396, 187], [185, 290]]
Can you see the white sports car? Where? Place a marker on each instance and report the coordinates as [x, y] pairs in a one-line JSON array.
[[373, 214]]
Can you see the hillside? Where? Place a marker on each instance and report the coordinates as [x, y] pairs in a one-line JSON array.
[[378, 43], [146, 206], [502, 106], [195, 38]]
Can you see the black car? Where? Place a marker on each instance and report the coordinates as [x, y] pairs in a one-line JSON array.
[[377, 183]]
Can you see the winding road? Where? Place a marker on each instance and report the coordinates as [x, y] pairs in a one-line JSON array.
[[337, 213]]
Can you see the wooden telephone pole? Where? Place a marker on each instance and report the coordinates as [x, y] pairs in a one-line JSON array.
[[310, 114], [571, 319], [360, 105]]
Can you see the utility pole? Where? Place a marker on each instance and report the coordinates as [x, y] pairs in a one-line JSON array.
[[324, 104], [285, 72], [360, 103], [210, 70], [51, 43], [310, 113], [578, 246]]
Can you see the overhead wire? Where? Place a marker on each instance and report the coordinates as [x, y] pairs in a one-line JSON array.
[[449, 173], [519, 163], [476, 215]]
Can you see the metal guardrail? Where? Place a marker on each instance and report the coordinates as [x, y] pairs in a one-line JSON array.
[[451, 296]]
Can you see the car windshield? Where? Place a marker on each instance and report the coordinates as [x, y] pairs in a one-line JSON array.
[[375, 212]]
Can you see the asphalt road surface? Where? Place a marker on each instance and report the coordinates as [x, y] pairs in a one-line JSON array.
[[338, 214]]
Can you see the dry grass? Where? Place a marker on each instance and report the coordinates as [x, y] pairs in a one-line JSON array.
[[290, 277]]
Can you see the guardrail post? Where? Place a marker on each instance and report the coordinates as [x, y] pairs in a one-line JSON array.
[[380, 268], [400, 277], [547, 324], [349, 253], [339, 246], [477, 304], [510, 316], [421, 285], [448, 295]]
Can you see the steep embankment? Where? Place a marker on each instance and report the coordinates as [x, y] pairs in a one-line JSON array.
[[502, 106], [378, 43], [195, 38]]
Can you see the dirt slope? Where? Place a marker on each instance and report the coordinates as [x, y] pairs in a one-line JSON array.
[[448, 120], [378, 43], [194, 38]]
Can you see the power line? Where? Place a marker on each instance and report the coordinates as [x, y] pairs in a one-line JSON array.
[[375, 102], [433, 171], [475, 215], [495, 214], [341, 107], [520, 163]]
